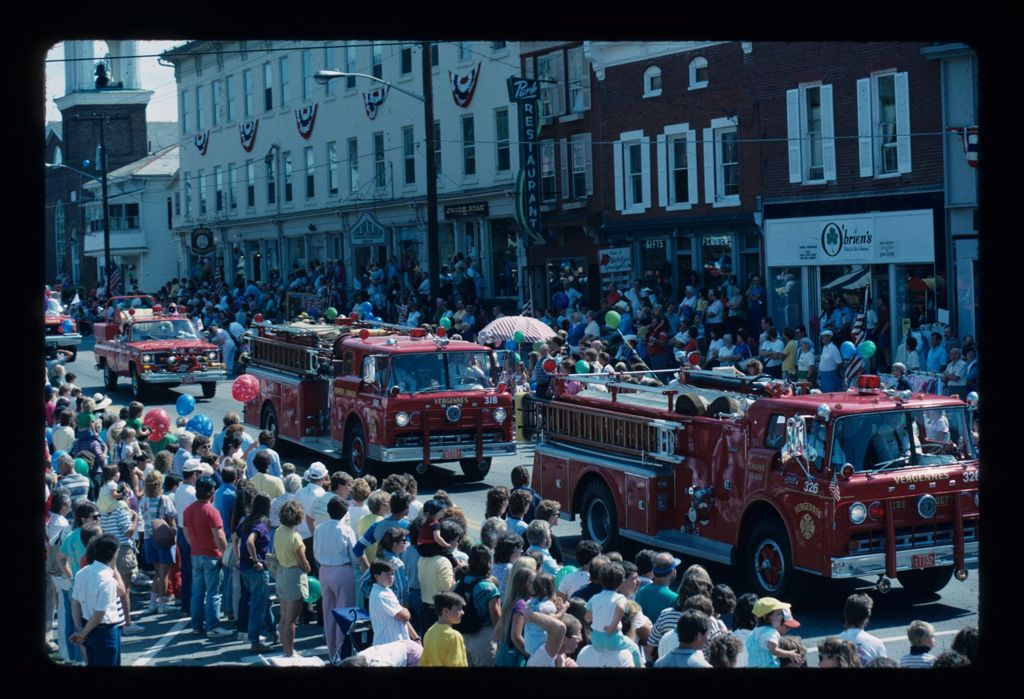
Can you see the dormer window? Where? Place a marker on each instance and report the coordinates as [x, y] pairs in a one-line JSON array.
[[652, 82], [698, 73]]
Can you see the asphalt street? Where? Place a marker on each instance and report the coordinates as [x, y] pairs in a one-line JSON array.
[[167, 641]]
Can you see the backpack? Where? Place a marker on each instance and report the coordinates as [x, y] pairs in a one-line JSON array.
[[471, 621]]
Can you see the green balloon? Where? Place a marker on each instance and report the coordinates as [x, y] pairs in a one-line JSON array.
[[612, 319], [867, 349], [564, 571], [582, 367], [518, 360], [82, 466], [518, 336], [331, 313], [446, 323], [314, 590]]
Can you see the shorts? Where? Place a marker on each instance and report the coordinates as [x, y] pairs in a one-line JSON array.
[[155, 553], [292, 584], [127, 562]]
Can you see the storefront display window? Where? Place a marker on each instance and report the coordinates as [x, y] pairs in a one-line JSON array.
[[785, 296], [684, 266], [572, 270], [503, 273], [445, 243], [717, 254], [915, 295]]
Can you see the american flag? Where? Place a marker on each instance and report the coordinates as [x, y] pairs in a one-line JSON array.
[[857, 333], [528, 303], [833, 487], [969, 135], [115, 281]]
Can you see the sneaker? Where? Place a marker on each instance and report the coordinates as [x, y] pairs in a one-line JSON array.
[[219, 631], [259, 648], [52, 647], [133, 628]]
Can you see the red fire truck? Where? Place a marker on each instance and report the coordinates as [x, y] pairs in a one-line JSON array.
[[152, 346], [371, 395], [61, 329], [740, 470]]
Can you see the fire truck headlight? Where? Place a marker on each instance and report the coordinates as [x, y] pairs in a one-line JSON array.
[[858, 513], [402, 419], [172, 360], [212, 355], [147, 359], [500, 414]]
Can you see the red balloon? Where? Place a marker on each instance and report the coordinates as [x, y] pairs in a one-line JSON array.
[[550, 365], [245, 388], [157, 419], [694, 358], [440, 332]]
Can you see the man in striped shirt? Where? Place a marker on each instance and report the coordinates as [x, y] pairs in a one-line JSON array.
[[123, 522], [96, 601], [70, 480], [922, 639]]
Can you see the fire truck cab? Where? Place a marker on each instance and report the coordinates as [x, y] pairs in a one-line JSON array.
[[741, 471], [371, 394]]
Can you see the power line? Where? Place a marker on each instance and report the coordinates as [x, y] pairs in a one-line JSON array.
[[246, 50]]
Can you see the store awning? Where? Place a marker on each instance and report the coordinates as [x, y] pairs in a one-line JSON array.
[[857, 279]]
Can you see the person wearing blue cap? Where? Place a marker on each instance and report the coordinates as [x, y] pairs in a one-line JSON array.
[[658, 595]]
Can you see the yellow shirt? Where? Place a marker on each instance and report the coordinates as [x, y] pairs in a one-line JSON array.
[[271, 485], [789, 363], [364, 523], [435, 575], [443, 647], [287, 542]]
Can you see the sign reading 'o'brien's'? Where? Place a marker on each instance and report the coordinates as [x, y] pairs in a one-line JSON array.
[[898, 237]]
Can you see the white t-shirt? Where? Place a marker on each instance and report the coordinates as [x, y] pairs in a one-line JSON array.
[[383, 607], [540, 658], [574, 581], [726, 351], [184, 496], [714, 312], [776, 346], [830, 357], [307, 495], [868, 647], [603, 605], [591, 657]]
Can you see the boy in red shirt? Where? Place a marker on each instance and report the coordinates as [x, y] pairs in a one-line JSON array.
[[204, 531]]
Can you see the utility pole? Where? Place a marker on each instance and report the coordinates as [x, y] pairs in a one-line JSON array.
[[102, 120], [433, 251]]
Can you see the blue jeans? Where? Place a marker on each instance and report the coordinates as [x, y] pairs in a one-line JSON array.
[[416, 609], [242, 617], [830, 382], [74, 651], [227, 590], [206, 582], [185, 566], [103, 645], [261, 617]]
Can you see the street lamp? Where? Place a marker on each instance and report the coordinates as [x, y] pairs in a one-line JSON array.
[[427, 98]]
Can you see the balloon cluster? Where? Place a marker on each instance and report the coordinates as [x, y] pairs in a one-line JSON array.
[[200, 424], [245, 388], [67, 325], [865, 349], [158, 422], [185, 404]]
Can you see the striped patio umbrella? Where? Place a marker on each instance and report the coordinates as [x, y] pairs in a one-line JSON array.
[[502, 329]]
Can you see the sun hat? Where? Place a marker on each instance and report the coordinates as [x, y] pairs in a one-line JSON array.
[[316, 472], [767, 605]]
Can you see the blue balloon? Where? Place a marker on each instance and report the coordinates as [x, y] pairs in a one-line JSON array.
[[56, 456], [367, 307], [378, 319], [847, 349], [67, 325], [186, 404], [200, 424], [510, 345]]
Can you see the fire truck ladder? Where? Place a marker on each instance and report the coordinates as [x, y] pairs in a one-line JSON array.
[[274, 354]]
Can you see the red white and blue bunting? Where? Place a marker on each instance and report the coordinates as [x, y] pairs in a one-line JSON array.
[[969, 134], [202, 141], [374, 99], [247, 132], [464, 85], [304, 119]]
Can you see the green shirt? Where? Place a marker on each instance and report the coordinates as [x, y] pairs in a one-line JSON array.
[[136, 424], [654, 598]]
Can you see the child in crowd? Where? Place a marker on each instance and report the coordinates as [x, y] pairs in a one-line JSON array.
[[443, 646], [921, 635], [543, 601], [112, 494], [763, 643], [605, 611], [518, 504], [430, 542]]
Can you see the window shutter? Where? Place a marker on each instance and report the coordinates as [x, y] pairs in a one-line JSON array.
[[902, 122], [585, 74], [864, 127], [645, 163], [828, 134], [563, 151], [709, 166], [691, 165], [617, 157], [558, 73], [585, 138], [793, 133], [663, 166]]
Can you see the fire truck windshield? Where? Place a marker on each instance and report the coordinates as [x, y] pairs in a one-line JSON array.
[[442, 371], [877, 441], [178, 329]]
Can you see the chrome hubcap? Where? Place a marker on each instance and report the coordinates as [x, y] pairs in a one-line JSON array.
[[769, 564]]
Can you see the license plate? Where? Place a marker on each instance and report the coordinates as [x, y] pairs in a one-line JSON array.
[[453, 453], [188, 378], [925, 560]]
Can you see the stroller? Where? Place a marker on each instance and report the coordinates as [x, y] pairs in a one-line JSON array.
[[356, 630]]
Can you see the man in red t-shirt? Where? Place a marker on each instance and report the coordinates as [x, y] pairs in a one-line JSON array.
[[204, 531]]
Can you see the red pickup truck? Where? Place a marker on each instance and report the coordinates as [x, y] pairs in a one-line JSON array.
[[140, 340]]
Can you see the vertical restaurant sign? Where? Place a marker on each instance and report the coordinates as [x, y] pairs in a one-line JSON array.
[[526, 93]]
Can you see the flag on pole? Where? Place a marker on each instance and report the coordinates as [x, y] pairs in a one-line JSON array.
[[969, 136], [528, 303], [833, 487], [116, 279], [857, 335]]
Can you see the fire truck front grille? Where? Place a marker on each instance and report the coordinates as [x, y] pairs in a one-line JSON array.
[[445, 439], [911, 537]]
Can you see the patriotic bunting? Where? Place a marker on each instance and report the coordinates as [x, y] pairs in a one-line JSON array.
[[304, 119], [247, 132], [969, 136], [202, 140], [374, 99], [463, 86]]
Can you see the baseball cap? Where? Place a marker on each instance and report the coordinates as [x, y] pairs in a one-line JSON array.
[[192, 465], [316, 472], [433, 506], [661, 571], [826, 331], [767, 605], [788, 620]]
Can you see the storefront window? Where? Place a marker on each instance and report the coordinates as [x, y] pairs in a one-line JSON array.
[[366, 255], [717, 255], [684, 266], [504, 276], [785, 296], [470, 239], [915, 296], [564, 274], [445, 243], [408, 253], [654, 259], [297, 252]]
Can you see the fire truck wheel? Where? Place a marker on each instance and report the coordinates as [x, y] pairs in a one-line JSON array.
[[209, 389], [109, 378], [922, 583], [599, 520], [138, 387], [359, 463], [268, 421], [769, 560], [473, 471]]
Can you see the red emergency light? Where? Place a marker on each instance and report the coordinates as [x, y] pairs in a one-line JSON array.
[[441, 331], [258, 318], [550, 365], [417, 332], [869, 383], [364, 334], [131, 311], [158, 309]]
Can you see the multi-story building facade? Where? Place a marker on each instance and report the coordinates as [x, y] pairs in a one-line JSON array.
[[286, 171]]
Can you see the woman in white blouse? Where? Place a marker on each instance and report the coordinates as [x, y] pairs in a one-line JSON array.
[[334, 542]]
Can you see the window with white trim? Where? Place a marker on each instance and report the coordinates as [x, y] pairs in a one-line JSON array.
[[177, 203], [883, 124], [409, 154], [551, 66], [698, 73], [271, 182], [286, 158], [199, 108], [123, 216], [350, 66], [215, 101], [310, 173], [468, 146], [247, 92], [547, 171], [378, 60], [405, 60], [677, 162], [464, 52], [497, 46], [268, 87], [811, 134], [721, 163], [380, 175], [307, 74], [577, 170], [250, 184], [329, 64], [229, 97], [218, 188], [332, 168], [201, 178], [501, 136], [652, 82], [632, 161], [232, 199], [286, 94], [184, 112], [579, 81], [188, 194], [353, 165]]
